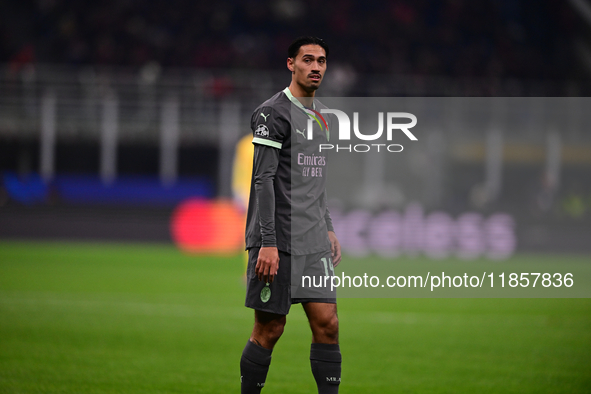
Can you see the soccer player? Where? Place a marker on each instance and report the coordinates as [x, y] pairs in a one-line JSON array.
[[289, 232]]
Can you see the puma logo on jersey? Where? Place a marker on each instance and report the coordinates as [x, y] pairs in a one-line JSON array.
[[265, 116], [301, 132]]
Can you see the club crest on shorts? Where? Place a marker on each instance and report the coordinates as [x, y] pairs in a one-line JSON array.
[[266, 293]]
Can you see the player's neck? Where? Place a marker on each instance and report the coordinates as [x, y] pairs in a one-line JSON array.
[[304, 97]]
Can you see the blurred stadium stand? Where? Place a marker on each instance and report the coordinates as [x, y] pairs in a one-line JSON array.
[[456, 38], [120, 110]]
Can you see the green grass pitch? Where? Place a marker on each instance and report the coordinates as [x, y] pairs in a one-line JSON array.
[[119, 318]]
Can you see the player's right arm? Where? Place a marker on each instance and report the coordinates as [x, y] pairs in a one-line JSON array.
[[269, 132], [265, 164]]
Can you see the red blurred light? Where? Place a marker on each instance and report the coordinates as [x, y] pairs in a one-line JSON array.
[[202, 226]]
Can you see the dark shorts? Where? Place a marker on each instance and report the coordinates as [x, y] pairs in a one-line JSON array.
[[300, 279]]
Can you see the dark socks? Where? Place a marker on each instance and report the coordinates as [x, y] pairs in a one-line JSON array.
[[326, 367], [254, 366]]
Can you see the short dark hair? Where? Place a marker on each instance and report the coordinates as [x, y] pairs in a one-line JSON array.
[[299, 42]]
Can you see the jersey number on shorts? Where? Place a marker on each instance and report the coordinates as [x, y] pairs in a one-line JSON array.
[[327, 265]]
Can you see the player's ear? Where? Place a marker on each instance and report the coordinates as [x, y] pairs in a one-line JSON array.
[[290, 65]]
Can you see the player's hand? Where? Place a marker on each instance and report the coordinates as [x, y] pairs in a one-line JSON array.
[[267, 263], [335, 248]]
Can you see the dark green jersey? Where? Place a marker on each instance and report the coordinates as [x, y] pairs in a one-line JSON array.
[[287, 206]]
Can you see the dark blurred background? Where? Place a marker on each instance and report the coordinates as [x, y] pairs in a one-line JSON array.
[[523, 39], [113, 113]]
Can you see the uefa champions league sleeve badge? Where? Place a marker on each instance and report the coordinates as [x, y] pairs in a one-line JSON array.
[[266, 293]]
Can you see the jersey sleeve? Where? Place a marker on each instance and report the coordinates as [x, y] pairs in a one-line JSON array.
[[327, 217], [269, 128], [266, 160]]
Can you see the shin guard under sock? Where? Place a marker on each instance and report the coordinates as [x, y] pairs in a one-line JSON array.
[[326, 367], [254, 366]]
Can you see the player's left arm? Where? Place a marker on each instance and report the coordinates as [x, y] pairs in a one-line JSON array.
[[335, 246]]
